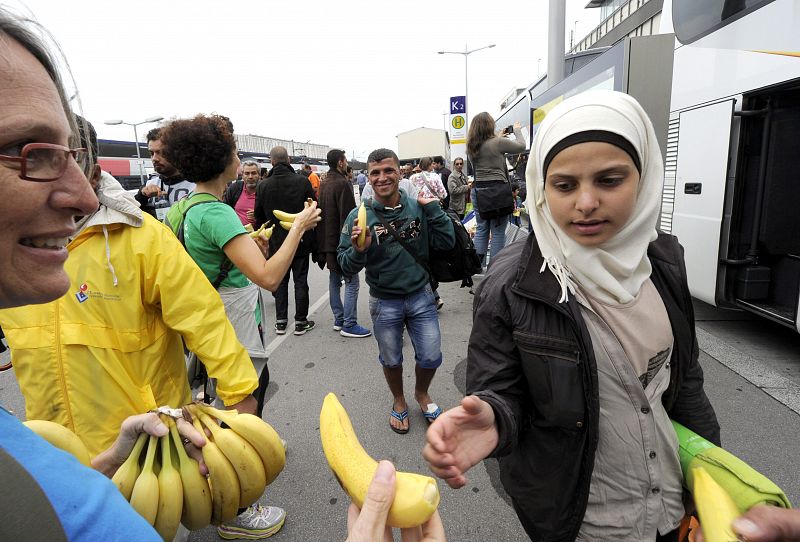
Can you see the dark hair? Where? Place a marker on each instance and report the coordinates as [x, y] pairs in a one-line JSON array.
[[379, 155], [481, 129], [88, 138], [200, 148], [425, 163], [154, 135], [333, 157], [438, 160]]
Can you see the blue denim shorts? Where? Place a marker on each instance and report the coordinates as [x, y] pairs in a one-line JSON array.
[[417, 313]]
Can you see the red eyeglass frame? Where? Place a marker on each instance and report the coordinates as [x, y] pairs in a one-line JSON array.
[[22, 159]]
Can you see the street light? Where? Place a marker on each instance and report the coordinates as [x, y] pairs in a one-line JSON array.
[[136, 138], [466, 54]]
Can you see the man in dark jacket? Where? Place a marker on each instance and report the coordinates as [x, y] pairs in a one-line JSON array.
[[336, 199], [533, 379], [287, 191], [241, 195]]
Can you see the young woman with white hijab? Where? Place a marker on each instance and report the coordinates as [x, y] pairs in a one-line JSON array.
[[583, 345]]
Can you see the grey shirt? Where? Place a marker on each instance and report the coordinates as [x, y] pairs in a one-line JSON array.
[[636, 486], [490, 162]]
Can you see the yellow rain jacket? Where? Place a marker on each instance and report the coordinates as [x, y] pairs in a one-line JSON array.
[[111, 347]]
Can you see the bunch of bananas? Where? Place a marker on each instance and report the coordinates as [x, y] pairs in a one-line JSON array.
[[416, 496], [167, 489], [267, 232], [287, 219]]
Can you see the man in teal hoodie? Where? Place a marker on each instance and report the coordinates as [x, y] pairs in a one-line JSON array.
[[399, 287]]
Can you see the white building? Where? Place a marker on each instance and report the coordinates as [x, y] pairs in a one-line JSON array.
[[421, 142]]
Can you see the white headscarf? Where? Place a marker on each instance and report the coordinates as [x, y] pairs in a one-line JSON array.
[[614, 271]]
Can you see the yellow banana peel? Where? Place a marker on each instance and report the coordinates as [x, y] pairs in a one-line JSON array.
[[715, 507]]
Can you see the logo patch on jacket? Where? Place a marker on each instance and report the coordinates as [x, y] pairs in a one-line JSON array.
[[412, 231]]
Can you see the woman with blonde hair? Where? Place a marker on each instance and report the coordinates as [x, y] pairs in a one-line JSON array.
[[491, 191]]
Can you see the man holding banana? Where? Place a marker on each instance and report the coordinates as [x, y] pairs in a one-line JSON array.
[[287, 191], [400, 292]]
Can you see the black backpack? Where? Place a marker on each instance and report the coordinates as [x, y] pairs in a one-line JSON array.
[[458, 263]]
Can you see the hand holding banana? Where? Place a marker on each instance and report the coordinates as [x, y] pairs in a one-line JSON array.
[[305, 220], [416, 497]]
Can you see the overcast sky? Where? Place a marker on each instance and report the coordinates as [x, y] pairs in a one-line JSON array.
[[349, 74]]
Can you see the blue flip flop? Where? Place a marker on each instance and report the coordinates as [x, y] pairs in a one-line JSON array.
[[432, 412], [399, 416]]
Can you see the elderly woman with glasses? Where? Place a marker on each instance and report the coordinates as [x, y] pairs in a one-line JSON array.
[[43, 190]]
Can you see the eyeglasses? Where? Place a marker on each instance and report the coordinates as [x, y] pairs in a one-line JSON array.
[[45, 162]]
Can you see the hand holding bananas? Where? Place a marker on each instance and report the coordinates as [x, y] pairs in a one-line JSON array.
[[166, 486], [369, 523], [459, 439], [305, 220]]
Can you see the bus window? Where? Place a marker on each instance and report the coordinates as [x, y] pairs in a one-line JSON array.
[[693, 19]]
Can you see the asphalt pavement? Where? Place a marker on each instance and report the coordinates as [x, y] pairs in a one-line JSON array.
[[759, 422]]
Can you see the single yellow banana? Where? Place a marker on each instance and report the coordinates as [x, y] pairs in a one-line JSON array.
[[222, 480], [286, 225], [258, 433], [246, 462], [268, 232], [61, 437], [128, 472], [362, 223], [416, 496], [248, 228], [170, 493], [144, 498], [196, 493], [716, 508], [284, 216]]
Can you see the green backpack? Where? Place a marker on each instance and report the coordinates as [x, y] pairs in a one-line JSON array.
[[176, 216]]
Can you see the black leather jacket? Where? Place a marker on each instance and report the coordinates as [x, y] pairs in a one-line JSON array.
[[531, 359]]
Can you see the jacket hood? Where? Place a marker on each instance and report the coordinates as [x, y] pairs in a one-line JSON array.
[[116, 205]]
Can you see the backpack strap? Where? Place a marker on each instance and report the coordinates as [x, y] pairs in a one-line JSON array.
[[405, 245], [226, 265]]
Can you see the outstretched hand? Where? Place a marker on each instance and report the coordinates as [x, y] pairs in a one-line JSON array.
[[766, 524], [369, 523], [459, 439]]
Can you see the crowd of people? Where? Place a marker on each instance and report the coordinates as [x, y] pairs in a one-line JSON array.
[[582, 350]]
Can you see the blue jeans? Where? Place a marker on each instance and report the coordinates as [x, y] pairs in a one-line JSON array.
[[344, 315], [497, 226], [417, 313]]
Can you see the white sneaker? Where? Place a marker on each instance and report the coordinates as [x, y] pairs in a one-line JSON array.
[[255, 523]]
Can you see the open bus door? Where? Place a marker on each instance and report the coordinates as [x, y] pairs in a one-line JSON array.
[[703, 149]]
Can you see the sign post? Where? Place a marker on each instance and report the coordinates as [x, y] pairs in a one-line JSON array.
[[458, 127]]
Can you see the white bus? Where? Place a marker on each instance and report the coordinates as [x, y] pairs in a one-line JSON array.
[[732, 183]]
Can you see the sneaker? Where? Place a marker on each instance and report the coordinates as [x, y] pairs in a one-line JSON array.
[[254, 523], [355, 331], [337, 327], [280, 328], [300, 328]]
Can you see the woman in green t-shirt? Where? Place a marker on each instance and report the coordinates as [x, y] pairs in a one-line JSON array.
[[204, 150]]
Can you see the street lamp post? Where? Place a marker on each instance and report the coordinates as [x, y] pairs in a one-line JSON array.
[[136, 139], [466, 52]]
